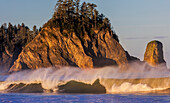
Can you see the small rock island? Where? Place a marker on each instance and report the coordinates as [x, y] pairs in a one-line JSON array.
[[154, 53]]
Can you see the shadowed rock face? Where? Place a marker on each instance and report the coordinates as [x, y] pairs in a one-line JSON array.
[[154, 53], [51, 48], [7, 59]]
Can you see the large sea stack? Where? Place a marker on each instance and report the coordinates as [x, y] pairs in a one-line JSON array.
[[154, 54], [51, 48], [76, 35]]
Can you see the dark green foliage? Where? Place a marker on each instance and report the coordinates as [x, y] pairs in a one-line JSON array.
[[13, 37], [82, 19]]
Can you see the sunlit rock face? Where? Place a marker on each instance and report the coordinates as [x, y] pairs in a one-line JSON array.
[[154, 53], [51, 48]]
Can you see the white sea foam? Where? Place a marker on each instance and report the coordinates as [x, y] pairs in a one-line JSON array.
[[128, 87]]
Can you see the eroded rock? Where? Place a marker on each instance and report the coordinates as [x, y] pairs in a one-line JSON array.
[[154, 53], [52, 48]]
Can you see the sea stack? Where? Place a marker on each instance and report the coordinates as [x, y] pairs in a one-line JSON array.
[[50, 48], [73, 38], [154, 54]]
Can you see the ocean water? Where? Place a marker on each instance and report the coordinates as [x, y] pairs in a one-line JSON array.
[[139, 84], [83, 98]]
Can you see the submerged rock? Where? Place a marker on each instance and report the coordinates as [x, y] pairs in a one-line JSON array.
[[25, 88], [80, 87], [154, 54]]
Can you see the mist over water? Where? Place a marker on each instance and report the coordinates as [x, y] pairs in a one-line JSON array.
[[138, 77]]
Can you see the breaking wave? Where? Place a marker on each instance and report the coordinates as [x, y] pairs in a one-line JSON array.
[[138, 78]]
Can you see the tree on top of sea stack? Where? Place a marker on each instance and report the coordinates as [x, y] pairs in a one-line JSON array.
[[69, 15]]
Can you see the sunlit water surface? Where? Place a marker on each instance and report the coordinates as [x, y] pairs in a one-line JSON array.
[[83, 98]]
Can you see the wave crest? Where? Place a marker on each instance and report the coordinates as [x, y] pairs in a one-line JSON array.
[[76, 80]]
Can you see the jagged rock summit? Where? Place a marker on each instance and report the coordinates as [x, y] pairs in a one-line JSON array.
[[154, 53]]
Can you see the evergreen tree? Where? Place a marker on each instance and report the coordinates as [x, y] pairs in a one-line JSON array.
[[12, 37], [82, 18], [77, 3], [34, 29]]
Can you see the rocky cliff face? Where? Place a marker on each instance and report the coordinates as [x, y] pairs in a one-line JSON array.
[[51, 48], [8, 58], [154, 53], [5, 61]]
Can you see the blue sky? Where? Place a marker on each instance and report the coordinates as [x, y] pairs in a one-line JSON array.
[[136, 22]]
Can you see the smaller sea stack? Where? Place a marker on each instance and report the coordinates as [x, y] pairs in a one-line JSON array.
[[154, 54]]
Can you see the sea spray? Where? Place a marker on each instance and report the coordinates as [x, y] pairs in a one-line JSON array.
[[129, 87], [139, 77]]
